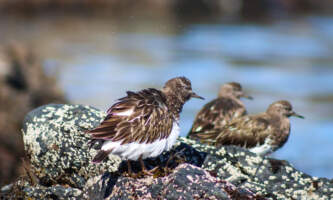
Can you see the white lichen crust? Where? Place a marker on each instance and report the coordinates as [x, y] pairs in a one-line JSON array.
[[57, 145], [272, 179]]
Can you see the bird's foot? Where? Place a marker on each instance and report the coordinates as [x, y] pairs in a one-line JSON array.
[[147, 172], [131, 175], [177, 158]]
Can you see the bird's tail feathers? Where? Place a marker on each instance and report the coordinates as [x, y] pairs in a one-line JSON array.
[[203, 135], [100, 156]]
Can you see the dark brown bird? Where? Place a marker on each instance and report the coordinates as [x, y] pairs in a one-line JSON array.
[[215, 114], [143, 124], [262, 133]]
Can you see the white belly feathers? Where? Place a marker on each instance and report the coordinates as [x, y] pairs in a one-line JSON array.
[[134, 150]]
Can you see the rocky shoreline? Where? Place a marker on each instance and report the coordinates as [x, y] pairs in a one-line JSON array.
[[58, 167]]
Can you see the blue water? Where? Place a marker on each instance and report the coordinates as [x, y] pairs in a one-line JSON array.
[[97, 62]]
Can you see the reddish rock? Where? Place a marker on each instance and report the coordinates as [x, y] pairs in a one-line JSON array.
[[185, 182]]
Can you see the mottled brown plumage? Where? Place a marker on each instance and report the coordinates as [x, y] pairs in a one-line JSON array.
[[143, 123], [262, 133], [147, 115], [215, 114]]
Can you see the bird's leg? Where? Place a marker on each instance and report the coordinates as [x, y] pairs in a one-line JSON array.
[[129, 168], [144, 170], [260, 164], [262, 161], [176, 155]]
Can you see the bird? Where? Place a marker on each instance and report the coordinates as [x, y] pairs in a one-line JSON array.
[[219, 111], [261, 133], [143, 124]]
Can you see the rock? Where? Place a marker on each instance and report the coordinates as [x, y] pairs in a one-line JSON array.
[[57, 145], [269, 178], [23, 86], [55, 140], [23, 189], [185, 182], [54, 191]]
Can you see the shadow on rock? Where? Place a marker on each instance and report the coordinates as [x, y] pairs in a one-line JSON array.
[[183, 153]]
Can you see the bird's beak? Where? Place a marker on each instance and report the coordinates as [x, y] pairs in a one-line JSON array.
[[246, 96], [194, 95], [296, 115]]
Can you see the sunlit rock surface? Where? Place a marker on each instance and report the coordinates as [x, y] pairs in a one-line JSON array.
[[56, 143], [270, 178], [55, 140]]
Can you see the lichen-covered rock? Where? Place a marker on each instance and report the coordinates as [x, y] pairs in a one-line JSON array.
[[52, 192], [270, 178], [56, 143], [186, 182], [23, 189]]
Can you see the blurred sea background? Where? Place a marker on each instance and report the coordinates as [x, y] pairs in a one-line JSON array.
[[277, 50]]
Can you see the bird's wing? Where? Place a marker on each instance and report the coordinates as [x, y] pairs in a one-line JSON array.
[[248, 131], [139, 117], [216, 114]]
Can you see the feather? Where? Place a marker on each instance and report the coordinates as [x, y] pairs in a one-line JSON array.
[[144, 122], [100, 156]]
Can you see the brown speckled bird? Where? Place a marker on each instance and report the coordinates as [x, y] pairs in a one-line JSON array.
[[262, 133], [143, 124], [216, 113]]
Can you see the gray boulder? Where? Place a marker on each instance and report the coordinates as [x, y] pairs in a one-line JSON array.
[[267, 177], [185, 182], [56, 145]]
